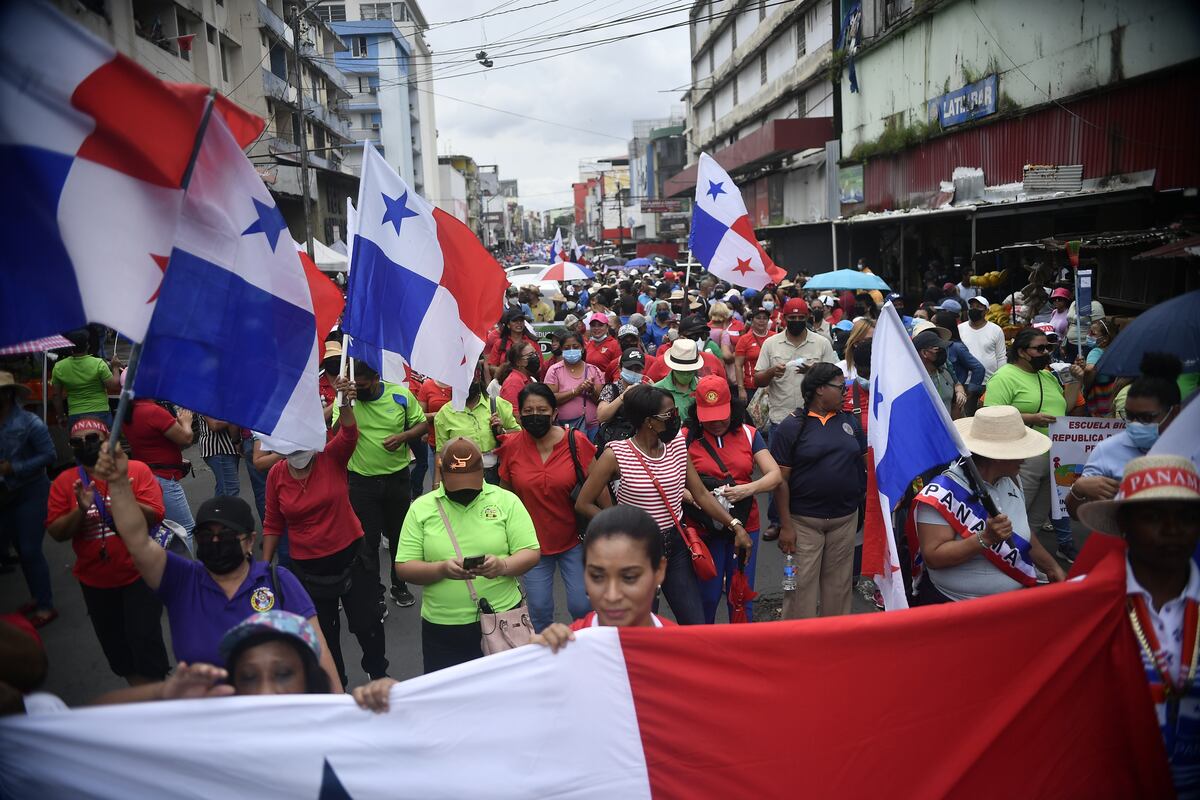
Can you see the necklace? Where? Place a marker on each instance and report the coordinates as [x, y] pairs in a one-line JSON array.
[[1148, 641]]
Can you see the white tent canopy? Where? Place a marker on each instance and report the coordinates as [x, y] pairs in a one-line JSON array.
[[326, 258]]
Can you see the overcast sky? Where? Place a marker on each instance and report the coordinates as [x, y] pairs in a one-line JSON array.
[[601, 89]]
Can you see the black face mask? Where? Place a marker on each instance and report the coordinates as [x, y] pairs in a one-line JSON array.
[[939, 360], [795, 327], [533, 363], [975, 314], [464, 497], [671, 431], [89, 454], [221, 556], [536, 425], [1039, 362], [368, 394], [818, 315], [862, 357]]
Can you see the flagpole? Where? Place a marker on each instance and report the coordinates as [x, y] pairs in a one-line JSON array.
[[135, 352]]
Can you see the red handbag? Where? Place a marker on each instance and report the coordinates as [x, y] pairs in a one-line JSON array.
[[702, 560]]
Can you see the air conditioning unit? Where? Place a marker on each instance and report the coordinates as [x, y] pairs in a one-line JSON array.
[[374, 126], [373, 90]]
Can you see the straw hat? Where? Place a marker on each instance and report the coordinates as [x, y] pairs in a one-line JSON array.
[[998, 432], [7, 381], [683, 356], [922, 325], [1146, 478], [333, 349]]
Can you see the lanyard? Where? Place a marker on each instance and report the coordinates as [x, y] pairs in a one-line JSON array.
[[1143, 630], [857, 405]]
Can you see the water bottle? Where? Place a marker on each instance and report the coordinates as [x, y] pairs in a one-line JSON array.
[[789, 573]]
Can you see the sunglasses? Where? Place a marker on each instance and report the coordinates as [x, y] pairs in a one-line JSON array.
[[91, 438], [1042, 348], [666, 415]]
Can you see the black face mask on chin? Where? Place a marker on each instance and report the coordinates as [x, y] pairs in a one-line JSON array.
[[89, 454]]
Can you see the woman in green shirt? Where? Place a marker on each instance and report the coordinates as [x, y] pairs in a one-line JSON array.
[[465, 542], [1024, 382], [85, 381]]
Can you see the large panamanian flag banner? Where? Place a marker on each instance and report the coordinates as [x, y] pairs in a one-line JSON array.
[[93, 149], [722, 237], [422, 290], [781, 709]]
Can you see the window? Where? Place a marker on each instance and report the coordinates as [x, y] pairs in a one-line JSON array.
[[710, 60], [733, 34], [800, 46], [360, 46], [180, 42], [332, 204], [332, 13], [762, 68], [762, 10], [801, 106], [735, 91], [211, 32], [224, 62], [712, 112], [400, 12], [375, 11]]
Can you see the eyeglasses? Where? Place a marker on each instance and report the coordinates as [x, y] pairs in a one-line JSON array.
[[1147, 418], [666, 416], [841, 387], [1042, 348], [91, 438]]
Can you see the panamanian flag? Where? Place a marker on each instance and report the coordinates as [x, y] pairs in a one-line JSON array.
[[722, 237], [93, 149]]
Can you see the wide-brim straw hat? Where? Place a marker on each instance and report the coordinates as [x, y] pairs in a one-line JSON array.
[[7, 381], [922, 325], [1146, 479], [683, 356], [997, 432]]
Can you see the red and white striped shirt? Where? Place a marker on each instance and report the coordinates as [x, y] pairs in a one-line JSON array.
[[637, 487]]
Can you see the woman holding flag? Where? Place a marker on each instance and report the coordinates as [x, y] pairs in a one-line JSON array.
[[967, 552]]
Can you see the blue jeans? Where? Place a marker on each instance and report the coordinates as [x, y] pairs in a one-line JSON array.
[[21, 520], [680, 586], [258, 480], [225, 469], [725, 557], [104, 416], [175, 503], [539, 585], [420, 466]]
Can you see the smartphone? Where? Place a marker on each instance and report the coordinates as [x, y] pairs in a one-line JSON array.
[[473, 562]]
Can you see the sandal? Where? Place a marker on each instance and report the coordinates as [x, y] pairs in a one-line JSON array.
[[40, 619]]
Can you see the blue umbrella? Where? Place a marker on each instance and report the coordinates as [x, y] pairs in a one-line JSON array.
[[1170, 327], [846, 279], [639, 262]]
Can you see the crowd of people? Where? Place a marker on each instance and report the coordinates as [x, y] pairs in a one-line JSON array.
[[625, 445]]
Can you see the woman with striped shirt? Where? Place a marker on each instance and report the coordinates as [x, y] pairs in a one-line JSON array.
[[219, 450], [654, 470]]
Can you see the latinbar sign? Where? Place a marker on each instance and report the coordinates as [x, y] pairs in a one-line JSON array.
[[973, 101]]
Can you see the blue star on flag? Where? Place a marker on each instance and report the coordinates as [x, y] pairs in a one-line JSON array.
[[397, 211], [269, 223], [715, 189], [331, 786]]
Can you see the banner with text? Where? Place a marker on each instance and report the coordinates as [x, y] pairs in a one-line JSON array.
[[1072, 440]]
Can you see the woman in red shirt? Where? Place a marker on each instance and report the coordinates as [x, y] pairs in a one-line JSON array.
[[308, 496], [749, 344], [724, 448], [512, 330], [523, 364], [623, 566], [125, 613], [538, 466]]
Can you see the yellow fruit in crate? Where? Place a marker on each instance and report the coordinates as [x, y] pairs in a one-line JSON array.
[[976, 280]]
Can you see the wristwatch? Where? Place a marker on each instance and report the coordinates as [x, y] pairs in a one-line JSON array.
[[735, 523]]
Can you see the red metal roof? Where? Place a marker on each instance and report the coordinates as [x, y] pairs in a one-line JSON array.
[[775, 139], [1149, 125]]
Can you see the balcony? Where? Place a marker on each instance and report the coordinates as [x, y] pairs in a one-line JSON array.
[[313, 109], [371, 135], [320, 63], [273, 22], [361, 102], [278, 88]]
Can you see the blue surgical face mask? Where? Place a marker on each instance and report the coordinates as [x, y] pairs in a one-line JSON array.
[[631, 377], [1090, 341], [1142, 434], [768, 305], [572, 356]]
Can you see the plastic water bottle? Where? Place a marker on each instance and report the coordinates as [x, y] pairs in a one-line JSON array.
[[789, 573]]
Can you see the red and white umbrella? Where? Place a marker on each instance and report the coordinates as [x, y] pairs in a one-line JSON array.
[[566, 271], [52, 342]]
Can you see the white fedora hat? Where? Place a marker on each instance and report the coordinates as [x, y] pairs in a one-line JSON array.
[[997, 432], [683, 356]]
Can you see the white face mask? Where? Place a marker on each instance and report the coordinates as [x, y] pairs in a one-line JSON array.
[[301, 459]]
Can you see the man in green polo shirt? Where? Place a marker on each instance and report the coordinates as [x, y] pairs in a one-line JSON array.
[[685, 362], [492, 533], [388, 417], [478, 423]]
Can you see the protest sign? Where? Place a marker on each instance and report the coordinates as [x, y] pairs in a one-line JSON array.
[[1072, 440]]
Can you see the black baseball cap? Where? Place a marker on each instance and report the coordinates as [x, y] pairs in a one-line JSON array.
[[633, 358], [927, 339], [232, 512], [693, 323]]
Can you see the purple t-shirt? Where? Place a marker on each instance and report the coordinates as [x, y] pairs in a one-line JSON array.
[[200, 614]]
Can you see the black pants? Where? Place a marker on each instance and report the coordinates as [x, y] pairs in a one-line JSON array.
[[381, 502], [446, 645], [128, 623], [360, 601]]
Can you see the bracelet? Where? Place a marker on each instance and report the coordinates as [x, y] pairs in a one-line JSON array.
[[1076, 495], [982, 543]]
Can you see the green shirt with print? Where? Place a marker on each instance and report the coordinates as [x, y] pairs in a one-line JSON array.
[[494, 523], [1030, 392], [682, 397], [473, 423], [396, 411], [83, 377]]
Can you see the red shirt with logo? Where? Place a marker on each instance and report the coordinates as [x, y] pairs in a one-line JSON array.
[[736, 449]]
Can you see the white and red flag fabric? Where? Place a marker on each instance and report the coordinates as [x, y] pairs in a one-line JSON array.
[[93, 150], [783, 709], [421, 289], [556, 247], [722, 237]]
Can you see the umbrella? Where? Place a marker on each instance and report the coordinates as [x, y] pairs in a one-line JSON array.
[[565, 271], [639, 262], [846, 279], [740, 594], [53, 342], [1170, 327]]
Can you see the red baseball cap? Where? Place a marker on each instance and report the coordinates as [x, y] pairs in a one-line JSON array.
[[712, 398], [795, 306]]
